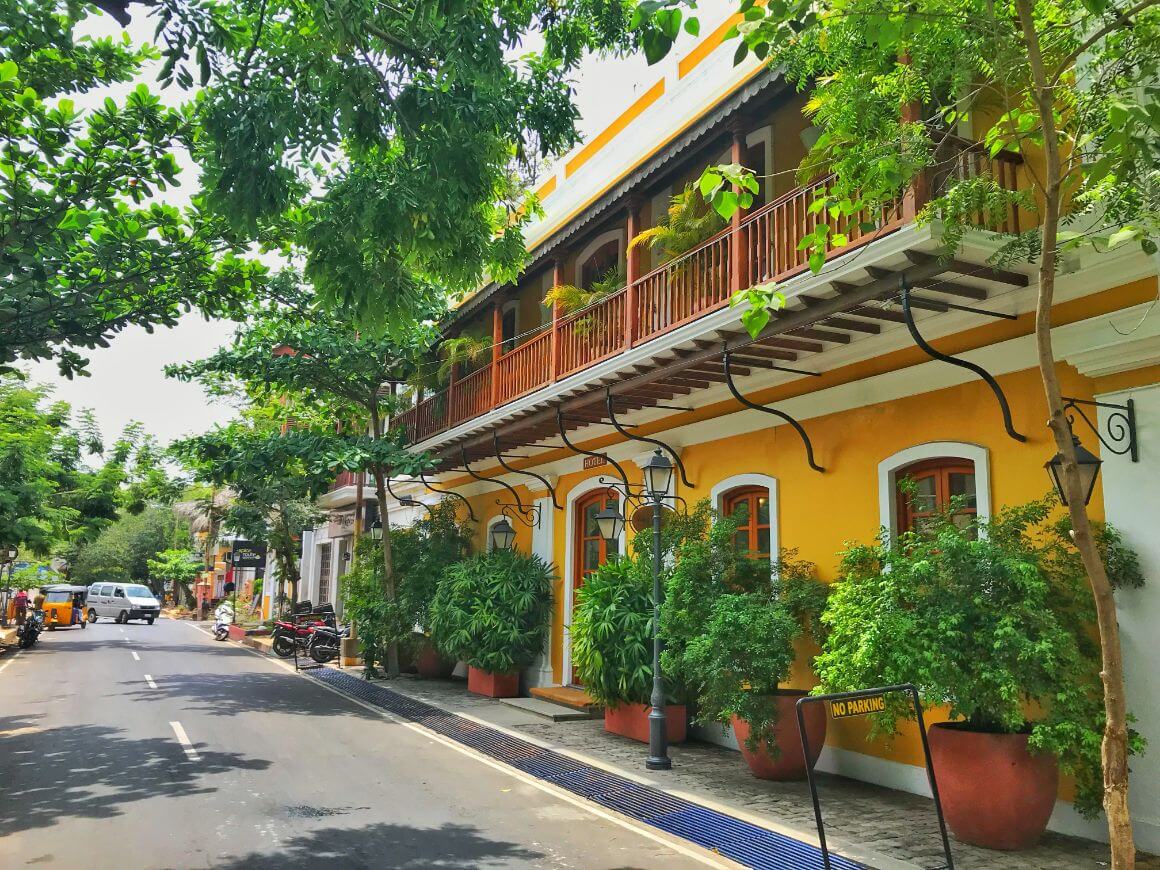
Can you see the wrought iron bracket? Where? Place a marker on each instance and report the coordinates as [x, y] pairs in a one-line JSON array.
[[1120, 425], [725, 358], [593, 453], [908, 314], [407, 501], [532, 474], [528, 515], [462, 498], [646, 440]]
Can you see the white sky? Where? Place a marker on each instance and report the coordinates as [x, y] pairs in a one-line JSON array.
[[127, 379]]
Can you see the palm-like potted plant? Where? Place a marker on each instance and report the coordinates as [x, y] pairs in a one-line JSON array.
[[992, 621], [612, 649], [491, 611], [689, 221]]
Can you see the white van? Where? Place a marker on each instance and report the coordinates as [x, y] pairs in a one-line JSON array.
[[122, 602]]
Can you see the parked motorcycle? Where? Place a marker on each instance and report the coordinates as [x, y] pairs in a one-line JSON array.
[[223, 619], [27, 634], [325, 642], [293, 635]]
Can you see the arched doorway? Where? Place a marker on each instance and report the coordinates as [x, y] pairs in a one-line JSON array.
[[590, 549]]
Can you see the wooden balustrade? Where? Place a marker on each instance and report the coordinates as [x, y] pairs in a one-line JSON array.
[[586, 337], [524, 368], [762, 247]]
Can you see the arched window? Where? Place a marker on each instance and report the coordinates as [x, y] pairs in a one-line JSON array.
[[749, 507], [599, 259], [924, 489], [592, 550]]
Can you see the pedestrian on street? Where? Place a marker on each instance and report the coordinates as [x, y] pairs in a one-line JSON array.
[[21, 603]]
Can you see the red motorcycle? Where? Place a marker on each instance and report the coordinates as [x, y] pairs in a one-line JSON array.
[[294, 634]]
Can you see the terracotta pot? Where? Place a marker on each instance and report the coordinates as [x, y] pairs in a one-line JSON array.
[[430, 665], [493, 685], [631, 721], [790, 762], [994, 791]]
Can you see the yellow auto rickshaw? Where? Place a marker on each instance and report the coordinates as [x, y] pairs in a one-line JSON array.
[[64, 605]]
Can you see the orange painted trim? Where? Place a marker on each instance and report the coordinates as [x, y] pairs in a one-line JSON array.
[[546, 189], [1144, 376], [612, 130], [706, 46]]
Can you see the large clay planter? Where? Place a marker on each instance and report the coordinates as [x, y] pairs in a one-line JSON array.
[[790, 762], [430, 665], [994, 791], [493, 685], [631, 721]]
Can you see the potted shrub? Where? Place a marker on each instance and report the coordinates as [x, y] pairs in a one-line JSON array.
[[731, 625], [491, 610], [377, 622], [993, 621], [422, 552], [612, 649]]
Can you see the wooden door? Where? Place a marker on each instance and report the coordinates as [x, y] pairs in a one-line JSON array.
[[592, 550]]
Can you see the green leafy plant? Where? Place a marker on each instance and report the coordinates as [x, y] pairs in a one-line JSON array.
[[379, 623], [689, 222], [991, 619], [612, 633], [422, 552], [570, 298], [492, 609]]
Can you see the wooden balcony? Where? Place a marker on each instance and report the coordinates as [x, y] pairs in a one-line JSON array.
[[759, 248]]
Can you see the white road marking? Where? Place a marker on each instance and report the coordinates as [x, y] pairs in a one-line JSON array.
[[149, 680], [136, 657], [4, 666], [183, 739]]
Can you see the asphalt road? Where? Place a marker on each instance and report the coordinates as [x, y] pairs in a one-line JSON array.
[[279, 772]]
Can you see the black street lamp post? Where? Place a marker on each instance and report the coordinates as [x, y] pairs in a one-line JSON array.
[[658, 475]]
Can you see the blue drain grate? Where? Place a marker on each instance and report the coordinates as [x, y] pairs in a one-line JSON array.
[[728, 836]]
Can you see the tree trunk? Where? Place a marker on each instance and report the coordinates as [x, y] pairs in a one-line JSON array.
[[388, 565], [1114, 751]]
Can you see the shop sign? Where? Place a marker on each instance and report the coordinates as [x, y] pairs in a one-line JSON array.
[[341, 523], [844, 709], [248, 555], [594, 461]]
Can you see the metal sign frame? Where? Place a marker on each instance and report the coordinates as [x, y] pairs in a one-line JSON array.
[[910, 689]]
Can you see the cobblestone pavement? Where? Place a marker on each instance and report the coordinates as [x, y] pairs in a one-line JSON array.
[[895, 824]]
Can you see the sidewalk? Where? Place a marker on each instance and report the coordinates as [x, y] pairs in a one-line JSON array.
[[871, 820]]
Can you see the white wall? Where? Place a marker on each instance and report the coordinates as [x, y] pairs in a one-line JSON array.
[[1132, 505]]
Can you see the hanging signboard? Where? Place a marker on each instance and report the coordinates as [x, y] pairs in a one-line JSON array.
[[594, 461], [248, 555]]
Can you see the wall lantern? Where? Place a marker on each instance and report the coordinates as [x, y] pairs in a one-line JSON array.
[[1089, 469], [376, 530], [503, 535], [658, 474], [610, 521]]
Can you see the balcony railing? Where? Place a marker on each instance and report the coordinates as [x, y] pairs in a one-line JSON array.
[[344, 478], [761, 248]]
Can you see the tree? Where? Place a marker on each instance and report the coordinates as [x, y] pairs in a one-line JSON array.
[[274, 478], [122, 551], [390, 142], [1071, 84], [300, 353], [86, 248], [178, 567]]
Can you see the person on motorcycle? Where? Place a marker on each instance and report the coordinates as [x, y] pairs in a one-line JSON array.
[[223, 619]]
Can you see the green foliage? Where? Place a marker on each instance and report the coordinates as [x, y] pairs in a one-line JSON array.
[[86, 248], [177, 566], [612, 633], [378, 623], [492, 610], [571, 298], [430, 113], [992, 620], [421, 553], [689, 222], [122, 552]]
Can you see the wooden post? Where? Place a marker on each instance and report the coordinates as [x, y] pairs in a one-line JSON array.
[[496, 349], [915, 196], [738, 251], [631, 270], [557, 280]]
